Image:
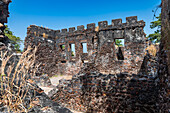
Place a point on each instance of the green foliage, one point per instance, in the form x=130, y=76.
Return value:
x=72, y=53
x=118, y=42
x=156, y=36
x=15, y=41
x=63, y=47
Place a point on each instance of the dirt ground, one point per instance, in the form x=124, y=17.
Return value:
x=55, y=82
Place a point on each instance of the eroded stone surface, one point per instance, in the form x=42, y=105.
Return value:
x=35, y=100
x=164, y=58
x=93, y=92
x=3, y=19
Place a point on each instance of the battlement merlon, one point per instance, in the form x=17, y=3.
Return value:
x=132, y=19
x=80, y=28
x=64, y=30
x=116, y=24
x=72, y=29
x=103, y=24
x=91, y=26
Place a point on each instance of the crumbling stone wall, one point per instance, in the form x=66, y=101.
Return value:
x=165, y=40
x=101, y=47
x=164, y=58
x=46, y=52
x=4, y=13
x=5, y=44
x=93, y=92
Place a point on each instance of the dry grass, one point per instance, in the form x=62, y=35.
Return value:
x=152, y=50
x=14, y=82
x=97, y=28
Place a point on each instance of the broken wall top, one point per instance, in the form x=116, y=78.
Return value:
x=4, y=10
x=5, y=1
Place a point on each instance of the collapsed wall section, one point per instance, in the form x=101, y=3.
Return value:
x=98, y=93
x=93, y=92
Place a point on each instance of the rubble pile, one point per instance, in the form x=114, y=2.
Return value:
x=42, y=80
x=150, y=65
x=36, y=101
x=93, y=92
x=96, y=92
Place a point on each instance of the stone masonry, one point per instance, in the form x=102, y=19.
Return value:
x=164, y=59
x=92, y=92
x=55, y=47
x=3, y=19
x=107, y=78
x=35, y=100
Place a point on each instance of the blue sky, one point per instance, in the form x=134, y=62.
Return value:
x=58, y=14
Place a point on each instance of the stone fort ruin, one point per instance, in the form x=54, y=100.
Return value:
x=118, y=91
x=55, y=47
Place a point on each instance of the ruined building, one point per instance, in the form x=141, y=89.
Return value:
x=56, y=48
x=110, y=78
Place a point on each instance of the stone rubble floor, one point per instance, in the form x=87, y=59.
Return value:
x=55, y=82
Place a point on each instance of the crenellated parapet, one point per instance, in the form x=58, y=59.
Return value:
x=116, y=24
x=131, y=22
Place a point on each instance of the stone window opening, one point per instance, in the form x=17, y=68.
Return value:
x=73, y=51
x=85, y=61
x=63, y=62
x=84, y=46
x=120, y=55
x=50, y=37
x=119, y=48
x=93, y=40
x=40, y=35
x=62, y=47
